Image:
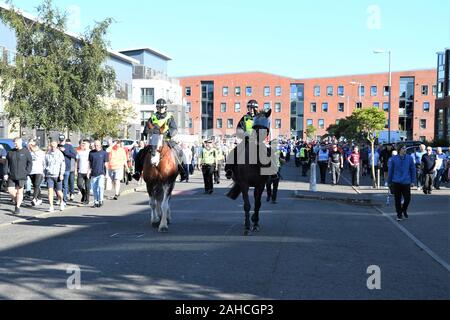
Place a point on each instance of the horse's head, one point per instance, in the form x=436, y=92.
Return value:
x=262, y=124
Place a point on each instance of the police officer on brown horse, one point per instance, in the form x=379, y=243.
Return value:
x=160, y=122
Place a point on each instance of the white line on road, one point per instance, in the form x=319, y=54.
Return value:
x=417, y=242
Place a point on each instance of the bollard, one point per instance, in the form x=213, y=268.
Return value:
x=313, y=178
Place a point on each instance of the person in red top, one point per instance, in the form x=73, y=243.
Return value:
x=354, y=160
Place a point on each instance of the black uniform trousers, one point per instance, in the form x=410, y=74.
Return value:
x=208, y=172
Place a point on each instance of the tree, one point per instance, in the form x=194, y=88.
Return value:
x=107, y=122
x=369, y=122
x=311, y=132
x=57, y=80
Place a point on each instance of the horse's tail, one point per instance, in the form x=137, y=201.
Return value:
x=235, y=191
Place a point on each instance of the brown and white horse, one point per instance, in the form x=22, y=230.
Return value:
x=160, y=173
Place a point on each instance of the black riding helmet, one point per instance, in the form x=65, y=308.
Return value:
x=160, y=104
x=253, y=104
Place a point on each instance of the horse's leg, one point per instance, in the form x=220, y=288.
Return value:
x=163, y=227
x=255, y=218
x=154, y=211
x=247, y=208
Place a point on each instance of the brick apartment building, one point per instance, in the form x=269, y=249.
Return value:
x=443, y=96
x=215, y=103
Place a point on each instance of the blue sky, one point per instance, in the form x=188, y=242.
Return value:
x=295, y=38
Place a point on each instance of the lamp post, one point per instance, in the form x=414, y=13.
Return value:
x=390, y=89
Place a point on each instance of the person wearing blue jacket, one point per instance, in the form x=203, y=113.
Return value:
x=69, y=155
x=401, y=178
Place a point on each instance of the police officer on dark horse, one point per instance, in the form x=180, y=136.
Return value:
x=160, y=119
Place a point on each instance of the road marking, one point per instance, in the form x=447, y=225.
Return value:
x=416, y=241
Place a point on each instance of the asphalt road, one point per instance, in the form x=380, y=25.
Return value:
x=305, y=250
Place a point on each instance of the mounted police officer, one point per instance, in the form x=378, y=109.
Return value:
x=245, y=126
x=160, y=119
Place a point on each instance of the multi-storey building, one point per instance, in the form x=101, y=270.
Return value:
x=443, y=96
x=215, y=103
x=141, y=79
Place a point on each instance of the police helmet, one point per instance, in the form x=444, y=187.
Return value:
x=161, y=103
x=253, y=104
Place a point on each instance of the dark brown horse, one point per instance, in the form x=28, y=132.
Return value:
x=249, y=165
x=160, y=173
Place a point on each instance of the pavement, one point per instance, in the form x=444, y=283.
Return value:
x=307, y=249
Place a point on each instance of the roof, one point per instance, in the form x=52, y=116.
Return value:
x=74, y=36
x=231, y=73
x=148, y=49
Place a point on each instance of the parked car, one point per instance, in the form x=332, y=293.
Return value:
x=8, y=144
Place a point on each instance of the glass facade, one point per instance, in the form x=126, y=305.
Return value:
x=297, y=110
x=207, y=108
x=147, y=96
x=406, y=106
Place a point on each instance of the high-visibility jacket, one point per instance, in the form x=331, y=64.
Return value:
x=162, y=122
x=248, y=123
x=208, y=157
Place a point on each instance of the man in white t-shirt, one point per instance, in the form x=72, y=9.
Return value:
x=81, y=170
x=187, y=159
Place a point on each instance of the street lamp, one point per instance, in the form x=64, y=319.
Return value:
x=390, y=88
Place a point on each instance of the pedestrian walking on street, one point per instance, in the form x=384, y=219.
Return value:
x=82, y=171
x=17, y=169
x=98, y=161
x=355, y=165
x=117, y=164
x=69, y=154
x=187, y=160
x=208, y=162
x=417, y=157
x=3, y=155
x=55, y=168
x=274, y=181
x=336, y=164
x=440, y=168
x=401, y=178
x=428, y=168
x=37, y=171
x=322, y=160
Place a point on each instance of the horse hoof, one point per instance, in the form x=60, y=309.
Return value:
x=155, y=225
x=256, y=229
x=163, y=230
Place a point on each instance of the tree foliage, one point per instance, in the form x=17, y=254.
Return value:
x=311, y=132
x=57, y=80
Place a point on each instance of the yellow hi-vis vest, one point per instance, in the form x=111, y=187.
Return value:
x=209, y=156
x=248, y=124
x=161, y=122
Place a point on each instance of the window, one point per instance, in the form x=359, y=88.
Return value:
x=324, y=107
x=278, y=124
x=219, y=123
x=188, y=91
x=277, y=107
x=321, y=124
x=309, y=123
x=190, y=126
x=223, y=107
x=376, y=105
x=237, y=91
x=147, y=96
x=278, y=91
x=434, y=90
x=386, y=91
x=237, y=107
x=341, y=91
x=425, y=90
x=145, y=115
x=426, y=107
x=373, y=91
x=386, y=106
x=225, y=91
x=362, y=91
x=330, y=91
x=249, y=91
x=313, y=107
x=423, y=138
x=230, y=124
x=359, y=105
x=267, y=106
x=188, y=107
x=423, y=124
x=341, y=107
x=266, y=91
x=317, y=91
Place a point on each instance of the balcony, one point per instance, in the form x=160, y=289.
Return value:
x=7, y=56
x=146, y=73
x=123, y=91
